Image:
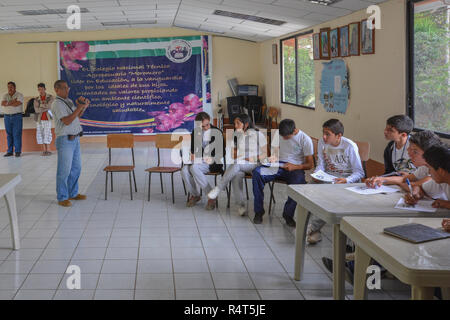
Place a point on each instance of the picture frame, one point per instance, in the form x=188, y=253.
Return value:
x=325, y=44
x=367, y=38
x=274, y=53
x=316, y=46
x=335, y=50
x=343, y=41
x=354, y=38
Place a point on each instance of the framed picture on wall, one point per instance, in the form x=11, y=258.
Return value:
x=316, y=46
x=343, y=41
x=367, y=37
x=334, y=43
x=353, y=33
x=325, y=43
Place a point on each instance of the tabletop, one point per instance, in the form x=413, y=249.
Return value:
x=332, y=202
x=412, y=261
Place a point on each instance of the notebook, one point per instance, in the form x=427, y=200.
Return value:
x=416, y=233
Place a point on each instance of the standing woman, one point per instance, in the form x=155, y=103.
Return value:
x=246, y=154
x=43, y=117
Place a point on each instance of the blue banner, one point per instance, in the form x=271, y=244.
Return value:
x=140, y=86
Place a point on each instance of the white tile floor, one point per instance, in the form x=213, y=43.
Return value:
x=150, y=250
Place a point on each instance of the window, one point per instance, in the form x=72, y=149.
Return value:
x=428, y=65
x=297, y=70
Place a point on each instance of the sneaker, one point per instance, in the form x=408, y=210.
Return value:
x=313, y=236
x=192, y=201
x=79, y=197
x=242, y=210
x=9, y=154
x=65, y=203
x=258, y=219
x=214, y=193
x=211, y=205
x=18, y=154
x=289, y=221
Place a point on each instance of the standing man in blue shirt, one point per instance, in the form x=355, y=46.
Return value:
x=68, y=132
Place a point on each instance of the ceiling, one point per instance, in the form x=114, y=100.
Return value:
x=190, y=14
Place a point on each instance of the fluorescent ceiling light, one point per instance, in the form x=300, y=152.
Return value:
x=48, y=11
x=241, y=16
x=323, y=2
x=128, y=23
x=6, y=28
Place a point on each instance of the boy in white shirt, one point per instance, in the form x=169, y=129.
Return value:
x=339, y=157
x=296, y=155
x=438, y=161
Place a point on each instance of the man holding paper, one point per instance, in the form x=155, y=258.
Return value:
x=338, y=157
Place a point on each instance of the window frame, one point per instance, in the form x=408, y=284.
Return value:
x=295, y=36
x=410, y=87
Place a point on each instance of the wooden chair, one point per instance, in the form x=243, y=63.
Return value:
x=364, y=150
x=272, y=115
x=120, y=141
x=164, y=141
x=315, y=142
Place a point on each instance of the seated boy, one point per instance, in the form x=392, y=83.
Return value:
x=438, y=161
x=396, y=159
x=194, y=175
x=296, y=154
x=338, y=156
x=418, y=144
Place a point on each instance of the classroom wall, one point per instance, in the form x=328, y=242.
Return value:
x=377, y=82
x=29, y=64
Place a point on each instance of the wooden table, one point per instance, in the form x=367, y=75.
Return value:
x=424, y=266
x=331, y=202
x=7, y=184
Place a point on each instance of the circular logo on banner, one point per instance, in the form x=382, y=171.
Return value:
x=179, y=51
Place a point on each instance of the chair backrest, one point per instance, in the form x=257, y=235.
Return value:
x=120, y=141
x=272, y=114
x=116, y=141
x=168, y=141
x=315, y=142
x=364, y=151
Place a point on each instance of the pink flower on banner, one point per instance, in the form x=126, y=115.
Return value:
x=167, y=122
x=178, y=110
x=76, y=50
x=208, y=96
x=192, y=100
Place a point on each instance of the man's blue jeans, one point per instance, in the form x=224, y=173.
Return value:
x=259, y=180
x=13, y=127
x=69, y=167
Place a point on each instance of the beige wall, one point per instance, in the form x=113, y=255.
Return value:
x=377, y=82
x=29, y=64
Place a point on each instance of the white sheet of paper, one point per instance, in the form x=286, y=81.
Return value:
x=323, y=176
x=367, y=190
x=422, y=205
x=268, y=171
